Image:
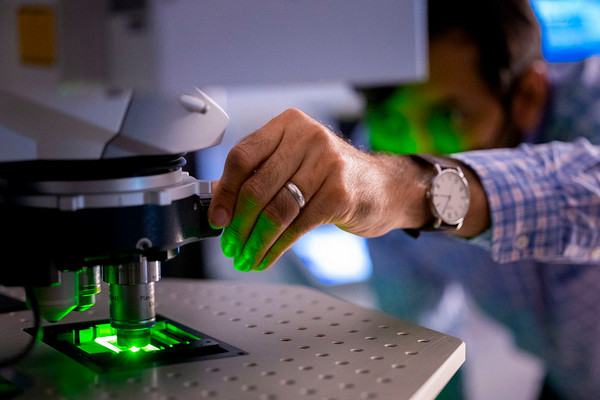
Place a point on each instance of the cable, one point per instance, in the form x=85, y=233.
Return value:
x=35, y=308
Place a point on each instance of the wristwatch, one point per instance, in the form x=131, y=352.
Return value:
x=448, y=195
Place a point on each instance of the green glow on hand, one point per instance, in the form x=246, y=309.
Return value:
x=248, y=259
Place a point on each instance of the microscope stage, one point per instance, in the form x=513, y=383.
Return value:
x=94, y=344
x=271, y=342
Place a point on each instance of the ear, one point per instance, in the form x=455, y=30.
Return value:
x=529, y=99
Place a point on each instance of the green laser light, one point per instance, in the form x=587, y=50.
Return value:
x=95, y=344
x=106, y=342
x=110, y=342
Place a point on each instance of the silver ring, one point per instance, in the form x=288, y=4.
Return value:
x=296, y=193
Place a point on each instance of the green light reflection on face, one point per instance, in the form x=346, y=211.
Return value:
x=391, y=131
x=446, y=139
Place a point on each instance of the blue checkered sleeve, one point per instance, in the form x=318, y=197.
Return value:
x=544, y=200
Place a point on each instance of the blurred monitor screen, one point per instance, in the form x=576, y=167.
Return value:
x=570, y=28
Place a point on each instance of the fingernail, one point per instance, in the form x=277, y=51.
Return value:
x=229, y=251
x=241, y=264
x=219, y=218
x=263, y=265
x=228, y=245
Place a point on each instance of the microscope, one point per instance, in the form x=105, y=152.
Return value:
x=92, y=186
x=71, y=221
x=99, y=104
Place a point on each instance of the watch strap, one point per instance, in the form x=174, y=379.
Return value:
x=428, y=159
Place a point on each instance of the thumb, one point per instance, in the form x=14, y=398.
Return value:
x=218, y=216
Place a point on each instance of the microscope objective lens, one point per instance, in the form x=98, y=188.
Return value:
x=132, y=313
x=131, y=300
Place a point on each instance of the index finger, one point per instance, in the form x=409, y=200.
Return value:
x=243, y=159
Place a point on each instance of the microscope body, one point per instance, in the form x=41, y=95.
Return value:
x=98, y=105
x=91, y=179
x=69, y=221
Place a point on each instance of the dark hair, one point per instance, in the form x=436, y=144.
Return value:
x=505, y=32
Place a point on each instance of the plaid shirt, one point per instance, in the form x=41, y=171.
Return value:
x=538, y=275
x=544, y=201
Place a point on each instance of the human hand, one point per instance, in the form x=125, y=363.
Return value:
x=361, y=193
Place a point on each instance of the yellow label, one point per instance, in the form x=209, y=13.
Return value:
x=37, y=40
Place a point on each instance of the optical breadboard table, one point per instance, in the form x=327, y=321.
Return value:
x=278, y=342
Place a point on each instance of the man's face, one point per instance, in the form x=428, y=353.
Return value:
x=454, y=111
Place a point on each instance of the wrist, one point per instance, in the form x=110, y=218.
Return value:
x=405, y=188
x=477, y=218
x=409, y=186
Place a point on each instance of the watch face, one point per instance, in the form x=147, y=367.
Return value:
x=450, y=196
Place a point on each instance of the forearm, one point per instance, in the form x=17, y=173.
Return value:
x=544, y=201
